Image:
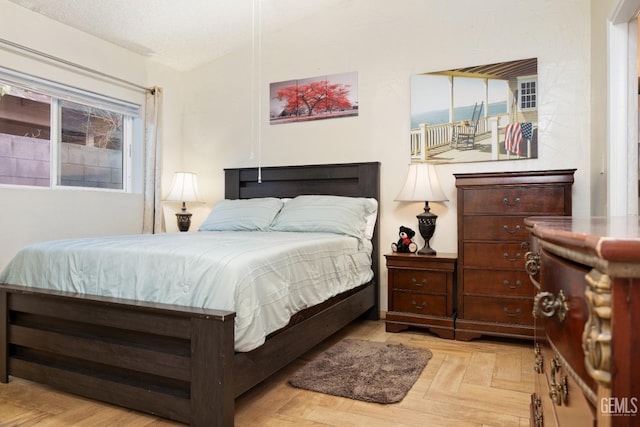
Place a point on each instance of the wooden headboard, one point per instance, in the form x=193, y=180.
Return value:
x=344, y=179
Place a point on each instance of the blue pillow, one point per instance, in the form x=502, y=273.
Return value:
x=242, y=214
x=326, y=214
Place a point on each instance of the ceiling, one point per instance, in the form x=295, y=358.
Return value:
x=181, y=34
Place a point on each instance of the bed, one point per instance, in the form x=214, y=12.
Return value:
x=174, y=361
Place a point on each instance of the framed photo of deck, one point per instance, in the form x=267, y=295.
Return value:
x=476, y=113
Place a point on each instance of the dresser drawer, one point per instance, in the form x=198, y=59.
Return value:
x=572, y=409
x=514, y=200
x=558, y=275
x=495, y=255
x=576, y=409
x=510, y=283
x=498, y=309
x=419, y=280
x=408, y=302
x=492, y=227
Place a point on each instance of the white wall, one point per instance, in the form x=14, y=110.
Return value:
x=29, y=215
x=386, y=45
x=207, y=112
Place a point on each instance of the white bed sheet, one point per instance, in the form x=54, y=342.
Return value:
x=265, y=277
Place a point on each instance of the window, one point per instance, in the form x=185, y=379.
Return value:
x=56, y=136
x=527, y=94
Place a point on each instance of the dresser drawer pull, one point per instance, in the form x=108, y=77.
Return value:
x=537, y=412
x=513, y=231
x=532, y=263
x=416, y=283
x=512, y=314
x=506, y=201
x=516, y=285
x=516, y=258
x=419, y=306
x=546, y=304
x=558, y=391
x=538, y=365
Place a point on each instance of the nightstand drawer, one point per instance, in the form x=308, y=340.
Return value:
x=496, y=309
x=408, y=302
x=420, y=280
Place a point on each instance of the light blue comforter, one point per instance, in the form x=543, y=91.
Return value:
x=264, y=277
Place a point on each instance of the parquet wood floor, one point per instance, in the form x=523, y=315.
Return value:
x=484, y=382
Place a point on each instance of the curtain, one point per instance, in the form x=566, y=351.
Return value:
x=152, y=220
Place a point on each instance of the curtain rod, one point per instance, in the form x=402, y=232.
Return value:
x=74, y=65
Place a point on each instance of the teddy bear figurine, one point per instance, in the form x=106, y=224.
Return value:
x=405, y=244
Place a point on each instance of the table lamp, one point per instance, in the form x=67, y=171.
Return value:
x=184, y=188
x=422, y=185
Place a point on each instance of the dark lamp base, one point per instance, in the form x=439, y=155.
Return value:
x=427, y=251
x=184, y=218
x=426, y=226
x=184, y=221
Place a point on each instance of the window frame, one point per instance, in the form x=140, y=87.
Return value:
x=521, y=97
x=58, y=92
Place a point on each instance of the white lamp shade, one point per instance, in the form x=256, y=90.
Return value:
x=421, y=185
x=184, y=188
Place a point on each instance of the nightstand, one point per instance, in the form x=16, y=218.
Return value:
x=420, y=292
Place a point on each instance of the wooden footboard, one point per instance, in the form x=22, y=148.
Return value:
x=292, y=342
x=170, y=361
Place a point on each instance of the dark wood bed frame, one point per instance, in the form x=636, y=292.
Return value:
x=172, y=361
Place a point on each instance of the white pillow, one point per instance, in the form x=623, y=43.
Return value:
x=242, y=214
x=328, y=214
x=370, y=222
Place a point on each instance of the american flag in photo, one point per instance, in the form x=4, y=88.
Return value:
x=527, y=130
x=513, y=138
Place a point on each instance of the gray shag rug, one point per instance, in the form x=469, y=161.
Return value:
x=364, y=370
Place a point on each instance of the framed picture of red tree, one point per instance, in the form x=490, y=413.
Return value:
x=323, y=97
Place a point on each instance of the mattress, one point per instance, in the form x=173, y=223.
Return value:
x=264, y=277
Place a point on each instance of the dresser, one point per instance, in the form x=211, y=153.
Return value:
x=494, y=293
x=586, y=274
x=421, y=292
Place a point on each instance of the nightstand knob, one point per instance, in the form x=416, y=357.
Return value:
x=419, y=306
x=421, y=283
x=514, y=313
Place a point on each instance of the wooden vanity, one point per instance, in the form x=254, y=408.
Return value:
x=586, y=272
